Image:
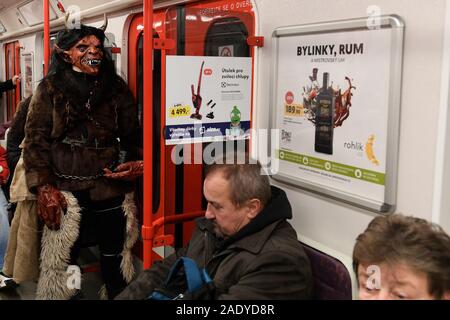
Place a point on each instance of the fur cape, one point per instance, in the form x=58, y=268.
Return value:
x=56, y=279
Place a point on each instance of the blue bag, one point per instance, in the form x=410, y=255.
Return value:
x=197, y=281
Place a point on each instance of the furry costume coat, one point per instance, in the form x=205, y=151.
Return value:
x=76, y=126
x=73, y=129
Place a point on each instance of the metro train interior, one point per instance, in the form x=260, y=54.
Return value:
x=257, y=65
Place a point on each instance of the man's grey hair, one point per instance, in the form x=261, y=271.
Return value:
x=245, y=177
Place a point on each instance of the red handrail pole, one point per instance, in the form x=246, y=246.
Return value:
x=177, y=218
x=46, y=36
x=148, y=127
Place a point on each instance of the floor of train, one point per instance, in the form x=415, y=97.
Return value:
x=90, y=285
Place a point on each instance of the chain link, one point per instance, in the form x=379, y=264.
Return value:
x=81, y=178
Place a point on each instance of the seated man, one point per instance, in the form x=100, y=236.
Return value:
x=400, y=257
x=244, y=241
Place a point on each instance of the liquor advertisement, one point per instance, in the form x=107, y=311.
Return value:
x=332, y=102
x=207, y=99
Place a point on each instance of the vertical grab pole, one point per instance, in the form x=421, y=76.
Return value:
x=147, y=230
x=46, y=36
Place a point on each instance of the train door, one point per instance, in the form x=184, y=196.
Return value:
x=163, y=169
x=12, y=67
x=208, y=28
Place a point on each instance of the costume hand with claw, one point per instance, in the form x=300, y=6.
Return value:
x=129, y=171
x=51, y=203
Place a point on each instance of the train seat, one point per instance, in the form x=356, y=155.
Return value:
x=332, y=272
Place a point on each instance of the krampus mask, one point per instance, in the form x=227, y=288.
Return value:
x=82, y=48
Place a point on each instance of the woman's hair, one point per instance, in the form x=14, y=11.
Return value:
x=417, y=243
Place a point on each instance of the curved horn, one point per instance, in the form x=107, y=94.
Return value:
x=105, y=23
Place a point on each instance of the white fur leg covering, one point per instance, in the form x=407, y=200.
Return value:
x=54, y=282
x=131, y=236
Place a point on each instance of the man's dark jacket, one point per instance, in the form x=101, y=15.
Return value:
x=7, y=85
x=264, y=260
x=16, y=134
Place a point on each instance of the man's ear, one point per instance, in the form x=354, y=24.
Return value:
x=254, y=207
x=65, y=55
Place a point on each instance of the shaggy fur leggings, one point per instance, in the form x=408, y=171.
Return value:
x=103, y=223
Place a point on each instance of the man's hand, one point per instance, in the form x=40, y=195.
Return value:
x=128, y=171
x=51, y=203
x=15, y=78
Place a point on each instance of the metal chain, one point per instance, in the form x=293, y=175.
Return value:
x=91, y=93
x=81, y=178
x=98, y=125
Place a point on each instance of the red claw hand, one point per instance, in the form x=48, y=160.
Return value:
x=128, y=171
x=51, y=203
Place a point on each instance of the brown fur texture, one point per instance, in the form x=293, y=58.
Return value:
x=58, y=114
x=56, y=247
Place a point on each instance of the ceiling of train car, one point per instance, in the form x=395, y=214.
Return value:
x=4, y=4
x=83, y=4
x=7, y=3
x=12, y=21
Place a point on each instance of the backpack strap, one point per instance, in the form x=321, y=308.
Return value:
x=195, y=277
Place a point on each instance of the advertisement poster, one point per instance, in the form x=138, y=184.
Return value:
x=332, y=107
x=207, y=99
x=27, y=75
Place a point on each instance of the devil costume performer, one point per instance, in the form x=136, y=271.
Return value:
x=82, y=120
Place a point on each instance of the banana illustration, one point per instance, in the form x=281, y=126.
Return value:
x=369, y=150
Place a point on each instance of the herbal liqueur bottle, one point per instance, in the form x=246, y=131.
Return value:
x=324, y=118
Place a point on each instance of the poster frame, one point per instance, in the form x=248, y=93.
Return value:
x=396, y=24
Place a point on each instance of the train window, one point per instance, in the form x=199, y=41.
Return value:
x=12, y=60
x=197, y=29
x=204, y=29
x=227, y=38
x=156, y=110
